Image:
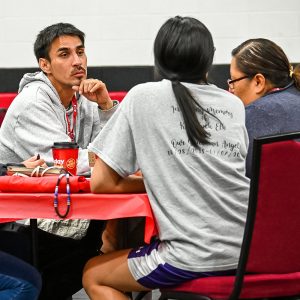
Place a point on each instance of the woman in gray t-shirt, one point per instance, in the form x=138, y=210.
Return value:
x=189, y=140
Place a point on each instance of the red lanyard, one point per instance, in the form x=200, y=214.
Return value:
x=275, y=90
x=71, y=133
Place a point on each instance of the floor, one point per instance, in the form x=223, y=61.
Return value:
x=81, y=295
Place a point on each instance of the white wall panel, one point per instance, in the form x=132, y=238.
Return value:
x=120, y=32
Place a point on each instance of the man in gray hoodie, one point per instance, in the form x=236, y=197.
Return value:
x=58, y=104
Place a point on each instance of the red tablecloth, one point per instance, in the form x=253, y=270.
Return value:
x=15, y=206
x=18, y=184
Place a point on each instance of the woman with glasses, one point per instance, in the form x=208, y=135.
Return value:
x=269, y=86
x=189, y=140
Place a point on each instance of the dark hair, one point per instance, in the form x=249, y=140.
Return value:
x=264, y=56
x=184, y=51
x=46, y=36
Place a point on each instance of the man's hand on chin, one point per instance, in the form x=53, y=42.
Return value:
x=95, y=90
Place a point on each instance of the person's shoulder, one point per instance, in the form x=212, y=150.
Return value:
x=225, y=96
x=33, y=81
x=149, y=86
x=268, y=105
x=36, y=89
x=289, y=91
x=146, y=91
x=33, y=95
x=257, y=107
x=224, y=93
x=269, y=100
x=216, y=91
x=32, y=84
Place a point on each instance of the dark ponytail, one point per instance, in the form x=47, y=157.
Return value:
x=187, y=104
x=184, y=51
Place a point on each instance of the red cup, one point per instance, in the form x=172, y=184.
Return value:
x=65, y=155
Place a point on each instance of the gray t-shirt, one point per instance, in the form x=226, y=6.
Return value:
x=198, y=196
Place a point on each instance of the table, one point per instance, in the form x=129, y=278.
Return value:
x=16, y=206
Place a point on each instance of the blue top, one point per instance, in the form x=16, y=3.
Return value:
x=276, y=112
x=19, y=269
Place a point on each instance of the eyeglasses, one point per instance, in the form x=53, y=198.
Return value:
x=231, y=81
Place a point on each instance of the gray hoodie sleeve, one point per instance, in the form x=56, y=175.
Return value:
x=36, y=128
x=105, y=115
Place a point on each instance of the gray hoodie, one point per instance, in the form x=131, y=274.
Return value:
x=35, y=120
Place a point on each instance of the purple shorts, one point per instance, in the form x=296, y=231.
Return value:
x=148, y=269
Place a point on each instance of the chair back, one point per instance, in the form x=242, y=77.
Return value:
x=276, y=235
x=2, y=115
x=7, y=98
x=269, y=263
x=272, y=233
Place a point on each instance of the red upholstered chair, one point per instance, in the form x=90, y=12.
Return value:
x=2, y=115
x=269, y=264
x=5, y=101
x=117, y=95
x=7, y=98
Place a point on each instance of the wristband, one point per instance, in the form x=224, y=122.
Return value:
x=115, y=102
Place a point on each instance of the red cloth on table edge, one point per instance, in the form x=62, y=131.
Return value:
x=18, y=184
x=79, y=185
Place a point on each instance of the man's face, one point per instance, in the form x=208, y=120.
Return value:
x=68, y=62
